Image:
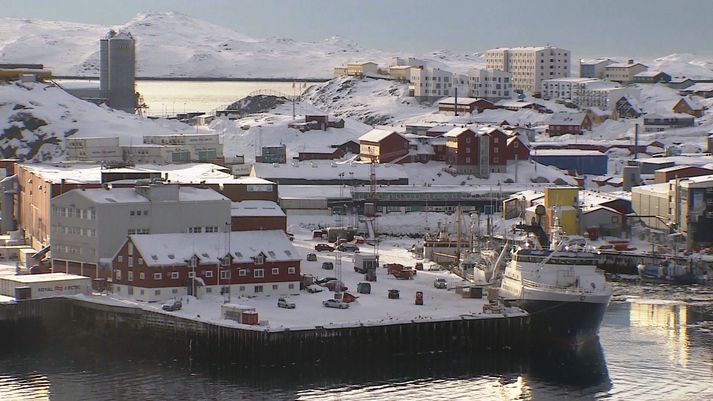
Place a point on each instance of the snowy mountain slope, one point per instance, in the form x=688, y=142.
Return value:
x=35, y=118
x=371, y=101
x=175, y=45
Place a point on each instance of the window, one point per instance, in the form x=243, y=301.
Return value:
x=130, y=261
x=274, y=287
x=208, y=273
x=291, y=286
x=157, y=276
x=260, y=259
x=243, y=272
x=291, y=270
x=225, y=274
x=118, y=274
x=141, y=260
x=196, y=230
x=191, y=274
x=131, y=249
x=130, y=276
x=120, y=259
x=242, y=288
x=275, y=271
x=258, y=288
x=131, y=213
x=174, y=291
x=142, y=276
x=174, y=275
x=259, y=273
x=146, y=212
x=157, y=292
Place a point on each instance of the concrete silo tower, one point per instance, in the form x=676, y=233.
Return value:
x=118, y=70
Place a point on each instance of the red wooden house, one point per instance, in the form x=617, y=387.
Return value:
x=467, y=152
x=157, y=267
x=498, y=149
x=568, y=123
x=384, y=145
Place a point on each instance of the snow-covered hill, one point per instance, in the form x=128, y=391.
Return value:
x=35, y=118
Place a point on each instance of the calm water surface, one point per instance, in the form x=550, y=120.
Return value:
x=656, y=345
x=171, y=97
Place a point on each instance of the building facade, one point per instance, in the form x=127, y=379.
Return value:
x=93, y=149
x=595, y=68
x=468, y=152
x=89, y=225
x=384, y=145
x=489, y=84
x=623, y=72
x=430, y=83
x=529, y=66
x=157, y=267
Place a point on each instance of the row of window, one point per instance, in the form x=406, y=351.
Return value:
x=199, y=229
x=80, y=231
x=88, y=214
x=138, y=212
x=224, y=274
x=256, y=289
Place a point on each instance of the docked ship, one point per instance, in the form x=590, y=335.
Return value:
x=560, y=286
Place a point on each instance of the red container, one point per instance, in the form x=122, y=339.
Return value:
x=249, y=317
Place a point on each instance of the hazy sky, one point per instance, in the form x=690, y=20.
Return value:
x=587, y=27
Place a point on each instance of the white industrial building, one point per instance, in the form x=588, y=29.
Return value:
x=595, y=68
x=530, y=66
x=586, y=92
x=89, y=225
x=93, y=149
x=489, y=84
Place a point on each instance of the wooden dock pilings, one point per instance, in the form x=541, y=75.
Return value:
x=249, y=347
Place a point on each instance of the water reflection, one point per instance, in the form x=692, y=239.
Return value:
x=666, y=322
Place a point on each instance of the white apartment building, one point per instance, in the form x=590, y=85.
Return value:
x=624, y=72
x=586, y=92
x=89, y=225
x=594, y=68
x=529, y=66
x=431, y=83
x=489, y=84
x=93, y=149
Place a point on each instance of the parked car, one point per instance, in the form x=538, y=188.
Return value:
x=322, y=281
x=311, y=257
x=290, y=236
x=284, y=303
x=328, y=266
x=172, y=306
x=314, y=288
x=333, y=303
x=323, y=247
x=348, y=247
x=440, y=283
x=335, y=285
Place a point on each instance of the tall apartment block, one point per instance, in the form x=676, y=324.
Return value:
x=530, y=66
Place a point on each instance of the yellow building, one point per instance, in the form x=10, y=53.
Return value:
x=564, y=203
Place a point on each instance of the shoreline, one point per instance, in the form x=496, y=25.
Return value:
x=200, y=79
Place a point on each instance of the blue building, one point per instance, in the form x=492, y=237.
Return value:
x=584, y=162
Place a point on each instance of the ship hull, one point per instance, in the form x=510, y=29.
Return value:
x=564, y=319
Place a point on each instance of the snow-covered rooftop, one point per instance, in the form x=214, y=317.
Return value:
x=177, y=249
x=566, y=152
x=624, y=65
x=376, y=135
x=328, y=170
x=256, y=208
x=460, y=100
x=131, y=195
x=567, y=119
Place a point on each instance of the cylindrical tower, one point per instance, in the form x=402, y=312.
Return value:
x=122, y=72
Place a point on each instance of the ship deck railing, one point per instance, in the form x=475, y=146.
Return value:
x=566, y=290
